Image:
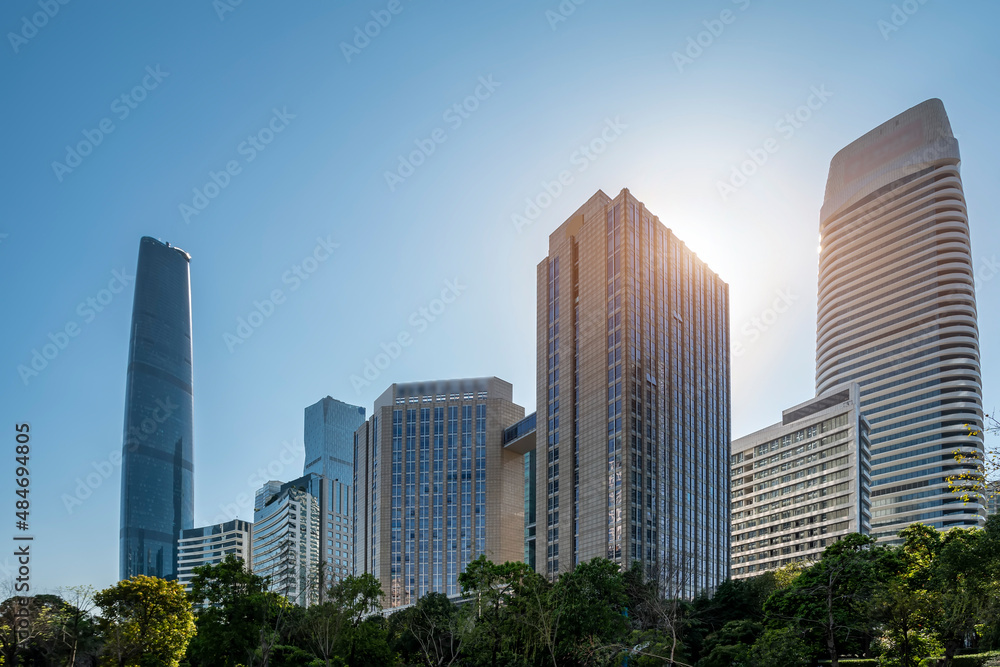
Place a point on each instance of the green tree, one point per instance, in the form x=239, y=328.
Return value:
x=359, y=601
x=238, y=619
x=492, y=588
x=832, y=600
x=592, y=603
x=145, y=622
x=439, y=627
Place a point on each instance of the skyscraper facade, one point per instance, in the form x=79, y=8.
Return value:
x=329, y=438
x=633, y=423
x=897, y=313
x=435, y=486
x=301, y=536
x=157, y=500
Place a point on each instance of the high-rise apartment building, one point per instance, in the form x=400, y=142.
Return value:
x=301, y=536
x=801, y=484
x=897, y=313
x=157, y=499
x=435, y=486
x=632, y=460
x=329, y=438
x=209, y=545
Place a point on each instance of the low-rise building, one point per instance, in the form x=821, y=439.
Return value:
x=801, y=484
x=209, y=545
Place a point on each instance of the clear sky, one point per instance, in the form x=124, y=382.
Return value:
x=252, y=134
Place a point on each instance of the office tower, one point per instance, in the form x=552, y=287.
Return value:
x=329, y=438
x=801, y=484
x=301, y=536
x=209, y=545
x=157, y=500
x=897, y=314
x=633, y=400
x=435, y=487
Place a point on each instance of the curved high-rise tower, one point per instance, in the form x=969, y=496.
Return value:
x=897, y=313
x=157, y=471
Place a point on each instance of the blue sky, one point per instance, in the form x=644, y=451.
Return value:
x=207, y=86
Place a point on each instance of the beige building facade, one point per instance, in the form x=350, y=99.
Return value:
x=435, y=487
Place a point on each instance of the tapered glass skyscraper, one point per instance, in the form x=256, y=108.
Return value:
x=897, y=313
x=157, y=500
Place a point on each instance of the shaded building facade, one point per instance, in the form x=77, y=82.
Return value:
x=435, y=486
x=633, y=398
x=897, y=314
x=157, y=499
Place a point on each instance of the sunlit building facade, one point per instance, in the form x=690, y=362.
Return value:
x=897, y=314
x=435, y=486
x=801, y=484
x=633, y=398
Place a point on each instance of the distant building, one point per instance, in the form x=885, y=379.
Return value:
x=301, y=537
x=633, y=400
x=157, y=498
x=993, y=497
x=801, y=484
x=329, y=438
x=897, y=314
x=209, y=545
x=435, y=486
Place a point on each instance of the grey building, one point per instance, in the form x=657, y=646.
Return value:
x=801, y=484
x=632, y=456
x=329, y=438
x=301, y=536
x=897, y=314
x=157, y=498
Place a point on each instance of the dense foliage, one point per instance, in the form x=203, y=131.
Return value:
x=931, y=601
